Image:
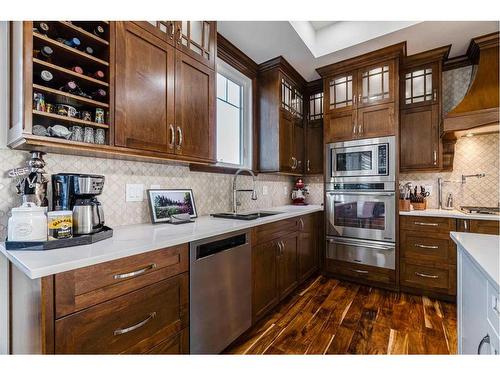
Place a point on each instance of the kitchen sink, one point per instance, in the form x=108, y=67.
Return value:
x=245, y=216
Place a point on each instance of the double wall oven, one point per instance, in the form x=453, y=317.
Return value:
x=361, y=201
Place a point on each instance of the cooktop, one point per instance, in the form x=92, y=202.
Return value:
x=480, y=210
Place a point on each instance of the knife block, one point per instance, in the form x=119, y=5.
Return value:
x=420, y=206
x=404, y=205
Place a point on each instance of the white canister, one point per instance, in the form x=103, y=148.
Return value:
x=28, y=223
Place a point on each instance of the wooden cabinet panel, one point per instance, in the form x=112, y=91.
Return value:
x=195, y=125
x=307, y=246
x=197, y=39
x=88, y=286
x=419, y=147
x=478, y=226
x=427, y=224
x=383, y=277
x=265, y=278
x=428, y=278
x=287, y=263
x=144, y=91
x=437, y=250
x=340, y=127
x=133, y=323
x=314, y=148
x=420, y=86
x=286, y=144
x=376, y=121
x=298, y=146
x=272, y=231
x=179, y=344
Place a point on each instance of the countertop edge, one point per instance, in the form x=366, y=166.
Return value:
x=460, y=247
x=452, y=214
x=72, y=265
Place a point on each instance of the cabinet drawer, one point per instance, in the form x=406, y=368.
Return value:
x=427, y=249
x=425, y=277
x=361, y=272
x=88, y=286
x=272, y=231
x=133, y=323
x=179, y=344
x=427, y=224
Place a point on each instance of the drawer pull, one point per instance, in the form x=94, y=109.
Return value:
x=426, y=246
x=426, y=224
x=135, y=326
x=427, y=276
x=359, y=271
x=134, y=273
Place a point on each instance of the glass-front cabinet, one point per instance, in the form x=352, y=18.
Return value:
x=376, y=84
x=292, y=99
x=342, y=92
x=197, y=38
x=419, y=85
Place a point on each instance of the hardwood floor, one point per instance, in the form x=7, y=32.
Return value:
x=328, y=316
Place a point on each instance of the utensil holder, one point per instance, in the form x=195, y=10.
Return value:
x=404, y=205
x=420, y=206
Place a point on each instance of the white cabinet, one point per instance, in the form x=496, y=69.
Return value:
x=478, y=305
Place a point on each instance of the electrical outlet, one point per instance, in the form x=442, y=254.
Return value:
x=265, y=190
x=154, y=186
x=285, y=190
x=428, y=188
x=134, y=192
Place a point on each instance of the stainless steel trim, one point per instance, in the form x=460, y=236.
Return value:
x=363, y=243
x=484, y=340
x=362, y=192
x=426, y=246
x=359, y=271
x=426, y=275
x=371, y=253
x=425, y=224
x=122, y=331
x=134, y=273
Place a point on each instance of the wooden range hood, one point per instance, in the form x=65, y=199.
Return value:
x=478, y=112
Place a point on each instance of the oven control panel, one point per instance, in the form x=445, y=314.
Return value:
x=383, y=166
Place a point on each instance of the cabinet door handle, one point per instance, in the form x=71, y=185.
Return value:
x=172, y=136
x=179, y=30
x=359, y=98
x=435, y=94
x=484, y=340
x=354, y=129
x=426, y=224
x=282, y=247
x=121, y=331
x=426, y=246
x=354, y=100
x=294, y=162
x=172, y=29
x=301, y=224
x=359, y=271
x=308, y=165
x=435, y=157
x=181, y=139
x=466, y=226
x=360, y=128
x=134, y=273
x=426, y=275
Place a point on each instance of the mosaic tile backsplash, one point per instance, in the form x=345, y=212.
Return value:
x=212, y=192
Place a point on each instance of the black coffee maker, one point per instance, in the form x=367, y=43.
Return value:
x=77, y=193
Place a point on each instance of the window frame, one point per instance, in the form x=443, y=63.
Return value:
x=246, y=120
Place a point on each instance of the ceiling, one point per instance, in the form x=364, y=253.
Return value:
x=308, y=45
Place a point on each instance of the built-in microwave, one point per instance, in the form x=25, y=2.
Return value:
x=361, y=160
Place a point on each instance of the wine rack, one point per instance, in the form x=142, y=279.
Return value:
x=71, y=81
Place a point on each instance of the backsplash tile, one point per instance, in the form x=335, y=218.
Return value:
x=478, y=154
x=212, y=192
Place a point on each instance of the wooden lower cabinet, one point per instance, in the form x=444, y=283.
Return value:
x=364, y=274
x=284, y=254
x=179, y=344
x=479, y=226
x=314, y=148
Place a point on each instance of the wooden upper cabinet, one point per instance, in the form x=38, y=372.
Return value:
x=198, y=40
x=341, y=92
x=144, y=91
x=375, y=121
x=286, y=142
x=420, y=85
x=195, y=127
x=314, y=128
x=340, y=126
x=376, y=84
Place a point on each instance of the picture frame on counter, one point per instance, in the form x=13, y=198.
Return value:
x=165, y=203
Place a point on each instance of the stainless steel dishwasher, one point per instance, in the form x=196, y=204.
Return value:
x=220, y=295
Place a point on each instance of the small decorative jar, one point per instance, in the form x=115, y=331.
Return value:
x=28, y=223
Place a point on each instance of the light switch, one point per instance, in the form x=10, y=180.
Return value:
x=265, y=190
x=285, y=190
x=134, y=192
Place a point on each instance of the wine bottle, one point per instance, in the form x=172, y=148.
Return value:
x=99, y=31
x=46, y=76
x=41, y=27
x=98, y=94
x=70, y=87
x=77, y=69
x=99, y=74
x=73, y=42
x=44, y=53
x=89, y=50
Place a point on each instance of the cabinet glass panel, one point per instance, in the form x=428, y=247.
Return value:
x=375, y=84
x=195, y=35
x=418, y=86
x=316, y=106
x=341, y=92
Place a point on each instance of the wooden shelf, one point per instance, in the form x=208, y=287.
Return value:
x=73, y=51
x=68, y=95
x=83, y=32
x=70, y=119
x=70, y=72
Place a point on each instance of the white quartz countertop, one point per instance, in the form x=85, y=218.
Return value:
x=130, y=240
x=483, y=249
x=449, y=213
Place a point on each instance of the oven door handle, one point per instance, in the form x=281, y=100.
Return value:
x=380, y=193
x=361, y=244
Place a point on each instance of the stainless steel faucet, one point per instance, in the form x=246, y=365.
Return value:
x=466, y=176
x=235, y=190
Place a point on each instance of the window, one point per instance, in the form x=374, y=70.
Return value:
x=234, y=120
